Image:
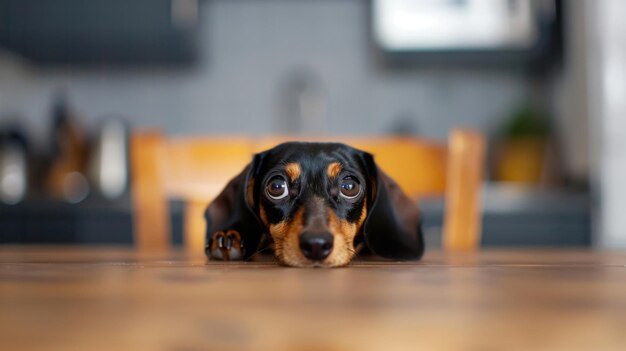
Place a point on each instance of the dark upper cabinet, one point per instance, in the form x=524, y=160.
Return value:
x=101, y=32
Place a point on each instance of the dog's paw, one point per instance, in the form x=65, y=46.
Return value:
x=226, y=246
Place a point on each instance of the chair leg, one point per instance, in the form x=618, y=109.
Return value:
x=194, y=227
x=151, y=219
x=463, y=208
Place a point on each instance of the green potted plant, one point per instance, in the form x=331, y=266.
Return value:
x=522, y=148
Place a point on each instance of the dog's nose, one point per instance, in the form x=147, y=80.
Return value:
x=316, y=246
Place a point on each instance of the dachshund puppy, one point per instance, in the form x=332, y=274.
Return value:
x=314, y=204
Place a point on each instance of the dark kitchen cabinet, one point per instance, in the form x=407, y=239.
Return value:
x=96, y=32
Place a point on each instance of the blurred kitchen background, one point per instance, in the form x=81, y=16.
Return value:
x=544, y=80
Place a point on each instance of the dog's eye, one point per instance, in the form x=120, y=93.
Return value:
x=350, y=188
x=277, y=188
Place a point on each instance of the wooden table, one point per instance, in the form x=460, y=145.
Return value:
x=114, y=299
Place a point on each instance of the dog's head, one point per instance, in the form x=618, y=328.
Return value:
x=315, y=200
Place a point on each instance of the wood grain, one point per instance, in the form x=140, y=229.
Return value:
x=103, y=299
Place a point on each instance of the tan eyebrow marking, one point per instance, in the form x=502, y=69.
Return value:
x=333, y=169
x=293, y=170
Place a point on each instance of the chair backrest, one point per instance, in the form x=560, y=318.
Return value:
x=196, y=169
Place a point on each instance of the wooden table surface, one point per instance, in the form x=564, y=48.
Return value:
x=115, y=299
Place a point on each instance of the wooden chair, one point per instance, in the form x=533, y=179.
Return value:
x=196, y=169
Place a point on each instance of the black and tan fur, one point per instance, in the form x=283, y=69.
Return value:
x=313, y=210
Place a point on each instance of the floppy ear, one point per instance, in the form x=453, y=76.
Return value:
x=392, y=228
x=233, y=209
